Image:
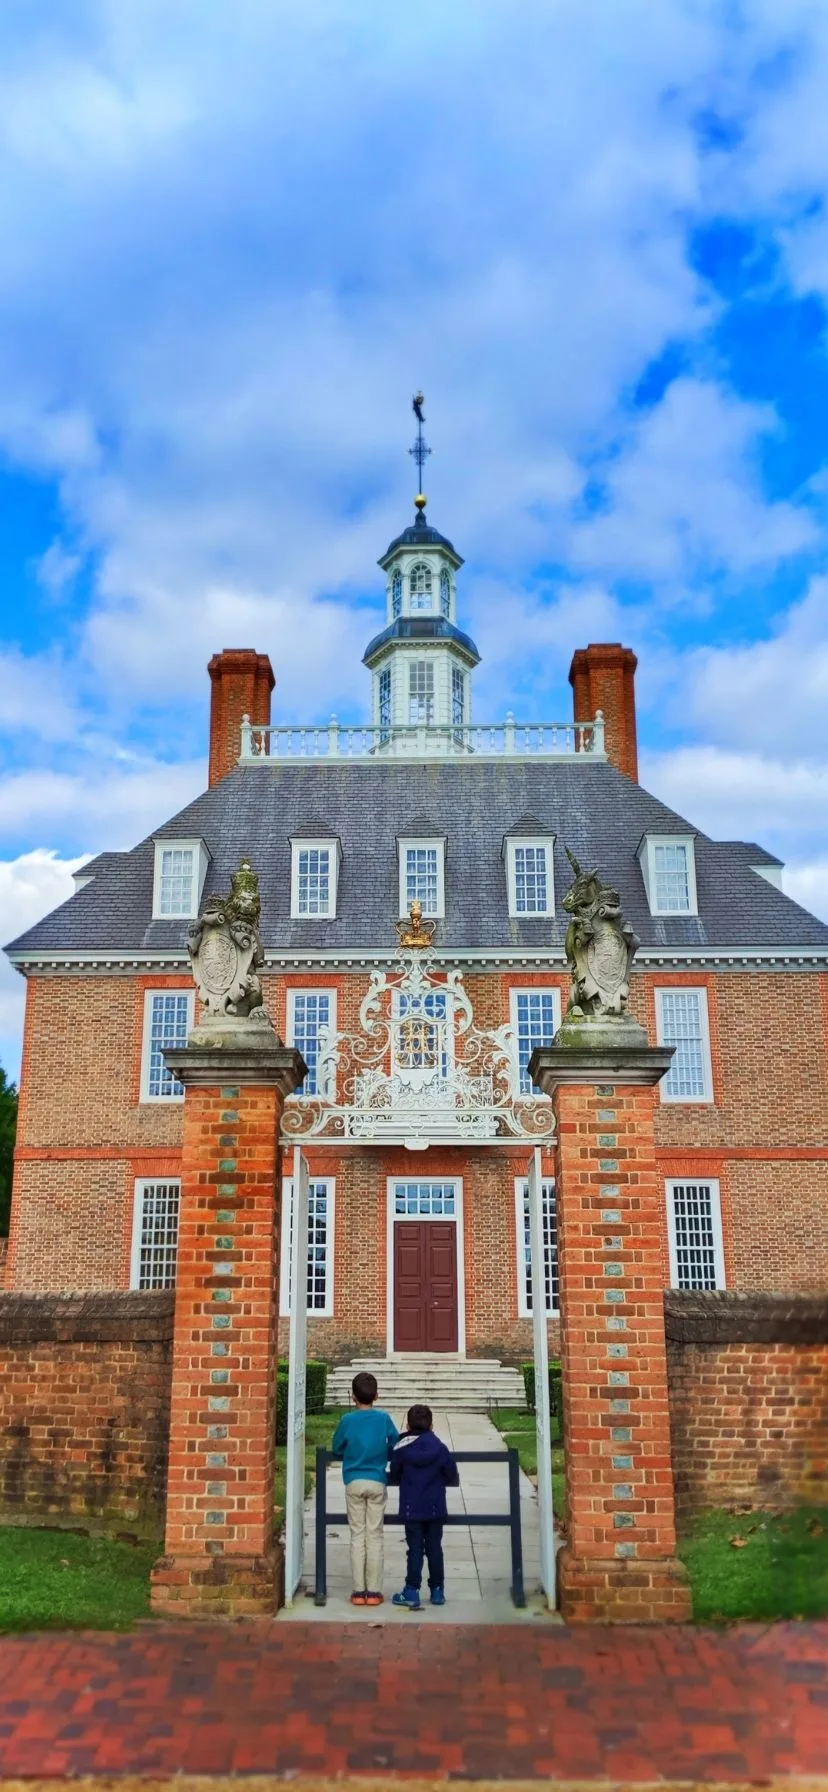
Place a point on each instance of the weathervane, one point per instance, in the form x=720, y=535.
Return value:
x=420, y=450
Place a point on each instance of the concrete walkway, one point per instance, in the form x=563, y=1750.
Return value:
x=478, y=1559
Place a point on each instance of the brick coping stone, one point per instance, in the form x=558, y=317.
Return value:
x=314, y=1705
x=267, y=1783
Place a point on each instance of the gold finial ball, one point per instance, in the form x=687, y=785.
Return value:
x=420, y=501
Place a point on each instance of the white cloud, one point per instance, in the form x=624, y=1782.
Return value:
x=30, y=886
x=807, y=883
x=742, y=796
x=771, y=694
x=108, y=807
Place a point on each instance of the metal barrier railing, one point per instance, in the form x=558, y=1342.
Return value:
x=510, y=1518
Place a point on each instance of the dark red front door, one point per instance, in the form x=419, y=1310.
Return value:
x=425, y=1285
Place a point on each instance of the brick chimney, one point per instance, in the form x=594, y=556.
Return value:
x=602, y=676
x=240, y=684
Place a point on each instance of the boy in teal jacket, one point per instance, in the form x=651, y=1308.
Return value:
x=363, y=1441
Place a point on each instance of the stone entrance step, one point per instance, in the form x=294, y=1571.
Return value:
x=448, y=1382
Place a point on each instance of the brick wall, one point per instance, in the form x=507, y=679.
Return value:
x=4, y=1251
x=84, y=1407
x=748, y=1378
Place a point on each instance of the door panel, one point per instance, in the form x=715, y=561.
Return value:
x=425, y=1285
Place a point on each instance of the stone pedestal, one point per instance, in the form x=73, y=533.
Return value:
x=619, y=1563
x=220, y=1556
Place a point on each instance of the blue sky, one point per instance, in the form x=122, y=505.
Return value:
x=234, y=241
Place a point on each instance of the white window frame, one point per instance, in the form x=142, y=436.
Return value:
x=201, y=859
x=544, y=845
x=438, y=844
x=415, y=608
x=686, y=989
x=141, y=1184
x=150, y=996
x=712, y=1183
x=521, y=1194
x=445, y=592
x=646, y=857
x=429, y=696
x=317, y=989
x=326, y=1312
x=455, y=1219
x=530, y=989
x=445, y=1057
x=331, y=847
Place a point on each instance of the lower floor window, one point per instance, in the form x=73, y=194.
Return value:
x=155, y=1234
x=320, y=1246
x=694, y=1230
x=551, y=1283
x=425, y=1200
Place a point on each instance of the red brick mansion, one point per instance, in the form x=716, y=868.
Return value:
x=417, y=1115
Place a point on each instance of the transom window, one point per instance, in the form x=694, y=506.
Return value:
x=445, y=593
x=458, y=697
x=155, y=1234
x=309, y=1012
x=314, y=873
x=420, y=693
x=681, y=1020
x=421, y=876
x=419, y=587
x=180, y=866
x=669, y=871
x=168, y=1017
x=396, y=594
x=321, y=1194
x=425, y=1200
x=536, y=1017
x=550, y=1248
x=529, y=872
x=694, y=1228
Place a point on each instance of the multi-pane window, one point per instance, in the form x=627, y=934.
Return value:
x=421, y=1039
x=176, y=881
x=155, y=1234
x=671, y=878
x=458, y=697
x=694, y=1228
x=384, y=693
x=419, y=587
x=309, y=1012
x=530, y=878
x=535, y=1017
x=320, y=1246
x=551, y=1281
x=420, y=693
x=167, y=1020
x=425, y=1200
x=314, y=879
x=445, y=593
x=681, y=1020
x=421, y=878
x=396, y=594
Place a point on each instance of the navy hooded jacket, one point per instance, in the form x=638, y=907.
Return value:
x=422, y=1468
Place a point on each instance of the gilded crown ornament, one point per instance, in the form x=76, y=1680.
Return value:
x=413, y=932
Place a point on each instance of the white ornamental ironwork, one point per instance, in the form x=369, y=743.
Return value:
x=417, y=1071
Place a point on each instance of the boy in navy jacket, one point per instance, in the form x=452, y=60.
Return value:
x=422, y=1468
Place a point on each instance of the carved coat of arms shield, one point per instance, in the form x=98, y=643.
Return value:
x=606, y=956
x=218, y=963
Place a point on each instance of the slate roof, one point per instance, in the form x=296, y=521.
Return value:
x=421, y=628
x=420, y=534
x=597, y=812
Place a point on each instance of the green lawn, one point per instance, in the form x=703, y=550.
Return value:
x=517, y=1428
x=55, y=1580
x=756, y=1566
x=319, y=1429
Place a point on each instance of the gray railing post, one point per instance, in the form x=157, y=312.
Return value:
x=515, y=1534
x=321, y=1587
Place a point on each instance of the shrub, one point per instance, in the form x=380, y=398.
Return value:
x=316, y=1387
x=555, y=1397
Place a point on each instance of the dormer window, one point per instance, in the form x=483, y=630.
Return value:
x=422, y=876
x=445, y=593
x=396, y=594
x=314, y=873
x=180, y=868
x=669, y=871
x=529, y=874
x=419, y=587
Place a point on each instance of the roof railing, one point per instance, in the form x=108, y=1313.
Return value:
x=481, y=740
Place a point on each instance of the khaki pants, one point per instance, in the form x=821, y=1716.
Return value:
x=365, y=1504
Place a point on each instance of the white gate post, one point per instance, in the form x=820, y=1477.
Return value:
x=297, y=1359
x=543, y=1426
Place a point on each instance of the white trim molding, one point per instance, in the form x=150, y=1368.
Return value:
x=695, y=1240
x=457, y=1219
x=432, y=910
x=656, y=874
x=186, y=908
x=178, y=1036
x=543, y=845
x=315, y=1183
x=332, y=849
x=670, y=1087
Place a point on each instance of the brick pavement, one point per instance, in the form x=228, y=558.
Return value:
x=631, y=1706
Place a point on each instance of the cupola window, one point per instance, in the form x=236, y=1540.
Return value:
x=419, y=586
x=420, y=693
x=396, y=594
x=458, y=697
x=384, y=717
x=445, y=593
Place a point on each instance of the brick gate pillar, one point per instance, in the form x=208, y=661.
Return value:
x=619, y=1563
x=221, y=1557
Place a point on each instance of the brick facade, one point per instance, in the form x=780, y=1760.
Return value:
x=748, y=1382
x=241, y=682
x=602, y=677
x=84, y=1408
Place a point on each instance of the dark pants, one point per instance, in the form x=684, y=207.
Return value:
x=424, y=1537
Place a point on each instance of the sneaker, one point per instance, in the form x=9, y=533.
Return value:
x=359, y=1599
x=438, y=1596
x=410, y=1597
x=374, y=1599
